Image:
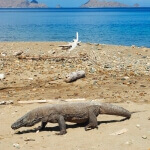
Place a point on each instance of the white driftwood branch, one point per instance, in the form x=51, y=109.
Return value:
x=75, y=42
x=72, y=45
x=74, y=76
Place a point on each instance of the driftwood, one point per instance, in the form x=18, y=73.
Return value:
x=71, y=45
x=45, y=57
x=74, y=76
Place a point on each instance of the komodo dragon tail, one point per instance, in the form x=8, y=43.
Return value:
x=114, y=110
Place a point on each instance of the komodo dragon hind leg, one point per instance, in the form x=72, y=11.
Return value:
x=43, y=124
x=62, y=125
x=92, y=120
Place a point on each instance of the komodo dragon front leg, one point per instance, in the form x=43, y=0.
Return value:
x=43, y=124
x=54, y=119
x=62, y=125
x=93, y=113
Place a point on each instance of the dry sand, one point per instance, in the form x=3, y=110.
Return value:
x=115, y=74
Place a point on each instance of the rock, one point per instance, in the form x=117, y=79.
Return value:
x=138, y=126
x=29, y=139
x=142, y=86
x=2, y=76
x=17, y=53
x=6, y=102
x=125, y=78
x=107, y=66
x=51, y=52
x=2, y=103
x=92, y=70
x=37, y=131
x=3, y=54
x=128, y=143
x=16, y=145
x=144, y=56
x=144, y=137
x=30, y=78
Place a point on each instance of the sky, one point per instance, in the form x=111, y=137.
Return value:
x=77, y=3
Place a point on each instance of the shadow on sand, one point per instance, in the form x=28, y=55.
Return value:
x=56, y=128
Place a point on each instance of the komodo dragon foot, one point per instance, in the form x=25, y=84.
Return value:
x=61, y=133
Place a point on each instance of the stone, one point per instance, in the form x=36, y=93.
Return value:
x=6, y=102
x=125, y=78
x=107, y=66
x=29, y=139
x=2, y=76
x=144, y=137
x=92, y=70
x=128, y=143
x=138, y=126
x=16, y=145
x=18, y=53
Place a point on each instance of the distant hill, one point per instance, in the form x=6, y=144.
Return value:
x=21, y=4
x=103, y=3
x=136, y=5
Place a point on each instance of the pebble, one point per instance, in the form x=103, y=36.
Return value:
x=125, y=78
x=142, y=86
x=128, y=143
x=30, y=78
x=3, y=54
x=16, y=145
x=18, y=53
x=29, y=139
x=138, y=126
x=2, y=76
x=107, y=66
x=6, y=102
x=92, y=70
x=144, y=137
x=37, y=131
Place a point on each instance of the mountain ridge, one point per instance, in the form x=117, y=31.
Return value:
x=21, y=4
x=103, y=3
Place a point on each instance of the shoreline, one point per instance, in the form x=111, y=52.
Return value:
x=66, y=42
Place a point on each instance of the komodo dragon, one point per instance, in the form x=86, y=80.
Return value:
x=72, y=112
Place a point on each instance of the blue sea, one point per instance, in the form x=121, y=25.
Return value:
x=118, y=26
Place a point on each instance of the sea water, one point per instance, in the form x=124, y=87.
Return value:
x=118, y=26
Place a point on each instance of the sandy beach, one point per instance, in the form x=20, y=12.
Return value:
x=114, y=74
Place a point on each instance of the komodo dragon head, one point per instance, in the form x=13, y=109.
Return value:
x=27, y=120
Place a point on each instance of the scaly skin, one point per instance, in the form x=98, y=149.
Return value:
x=71, y=112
